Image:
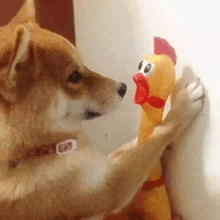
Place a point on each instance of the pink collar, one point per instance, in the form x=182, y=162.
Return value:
x=64, y=147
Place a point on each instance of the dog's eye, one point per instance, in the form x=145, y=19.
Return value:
x=75, y=77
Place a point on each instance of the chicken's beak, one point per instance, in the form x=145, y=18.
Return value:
x=142, y=89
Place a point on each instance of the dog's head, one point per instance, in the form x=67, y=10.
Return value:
x=45, y=90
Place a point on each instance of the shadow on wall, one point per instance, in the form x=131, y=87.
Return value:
x=184, y=162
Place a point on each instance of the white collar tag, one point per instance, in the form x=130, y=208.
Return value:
x=66, y=146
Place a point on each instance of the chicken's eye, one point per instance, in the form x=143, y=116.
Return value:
x=140, y=65
x=147, y=68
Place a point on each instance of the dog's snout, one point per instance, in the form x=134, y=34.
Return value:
x=122, y=90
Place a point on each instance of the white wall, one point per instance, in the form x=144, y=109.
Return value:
x=111, y=36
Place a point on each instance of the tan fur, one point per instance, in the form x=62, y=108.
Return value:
x=38, y=106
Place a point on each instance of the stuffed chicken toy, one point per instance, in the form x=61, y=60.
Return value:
x=154, y=83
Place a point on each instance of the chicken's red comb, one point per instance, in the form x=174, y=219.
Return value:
x=161, y=46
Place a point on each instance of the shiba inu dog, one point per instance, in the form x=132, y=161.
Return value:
x=46, y=169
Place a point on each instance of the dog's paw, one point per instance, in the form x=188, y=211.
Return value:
x=190, y=101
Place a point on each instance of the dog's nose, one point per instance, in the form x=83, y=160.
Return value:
x=122, y=90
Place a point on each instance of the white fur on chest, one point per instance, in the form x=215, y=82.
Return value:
x=94, y=170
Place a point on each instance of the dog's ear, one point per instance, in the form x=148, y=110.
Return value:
x=26, y=13
x=19, y=65
x=21, y=51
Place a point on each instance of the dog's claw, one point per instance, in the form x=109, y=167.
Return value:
x=193, y=85
x=190, y=100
